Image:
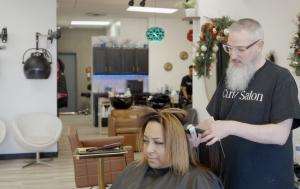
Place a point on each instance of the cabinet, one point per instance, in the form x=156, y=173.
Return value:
x=113, y=60
x=128, y=60
x=141, y=61
x=120, y=61
x=99, y=60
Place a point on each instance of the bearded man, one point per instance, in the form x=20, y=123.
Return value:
x=254, y=107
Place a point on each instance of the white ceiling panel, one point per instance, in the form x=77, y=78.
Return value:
x=111, y=10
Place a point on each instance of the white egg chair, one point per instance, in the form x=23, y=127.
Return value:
x=2, y=131
x=37, y=132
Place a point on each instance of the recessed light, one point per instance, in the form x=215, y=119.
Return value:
x=151, y=9
x=90, y=23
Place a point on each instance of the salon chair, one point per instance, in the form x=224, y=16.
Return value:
x=126, y=123
x=85, y=170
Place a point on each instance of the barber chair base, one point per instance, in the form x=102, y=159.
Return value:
x=38, y=161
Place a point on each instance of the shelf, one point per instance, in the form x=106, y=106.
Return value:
x=191, y=18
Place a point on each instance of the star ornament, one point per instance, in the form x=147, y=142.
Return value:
x=155, y=34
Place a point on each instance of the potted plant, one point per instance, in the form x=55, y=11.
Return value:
x=189, y=6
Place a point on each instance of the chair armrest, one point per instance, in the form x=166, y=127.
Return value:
x=98, y=142
x=129, y=157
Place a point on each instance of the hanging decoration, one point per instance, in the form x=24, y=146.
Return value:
x=212, y=33
x=189, y=35
x=295, y=45
x=183, y=55
x=168, y=66
x=155, y=34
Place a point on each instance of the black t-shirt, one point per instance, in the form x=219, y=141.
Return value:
x=188, y=83
x=271, y=97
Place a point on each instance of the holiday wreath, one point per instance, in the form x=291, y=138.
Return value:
x=212, y=33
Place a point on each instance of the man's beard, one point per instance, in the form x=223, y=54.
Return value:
x=238, y=77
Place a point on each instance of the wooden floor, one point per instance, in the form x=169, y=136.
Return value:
x=60, y=175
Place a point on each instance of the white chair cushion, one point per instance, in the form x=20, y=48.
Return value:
x=39, y=140
x=37, y=131
x=2, y=131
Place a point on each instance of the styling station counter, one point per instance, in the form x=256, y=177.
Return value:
x=102, y=106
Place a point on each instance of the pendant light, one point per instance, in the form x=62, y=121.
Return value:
x=155, y=33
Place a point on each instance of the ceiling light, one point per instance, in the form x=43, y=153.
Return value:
x=142, y=3
x=91, y=23
x=151, y=10
x=131, y=3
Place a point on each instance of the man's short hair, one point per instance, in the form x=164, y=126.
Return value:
x=191, y=66
x=249, y=25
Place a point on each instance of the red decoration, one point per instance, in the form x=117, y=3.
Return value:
x=298, y=52
x=214, y=35
x=202, y=38
x=190, y=35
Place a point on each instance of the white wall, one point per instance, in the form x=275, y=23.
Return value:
x=134, y=29
x=168, y=51
x=18, y=94
x=114, y=29
x=276, y=17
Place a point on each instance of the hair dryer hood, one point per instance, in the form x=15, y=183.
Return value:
x=37, y=66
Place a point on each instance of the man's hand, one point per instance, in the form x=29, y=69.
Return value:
x=265, y=134
x=204, y=126
x=216, y=131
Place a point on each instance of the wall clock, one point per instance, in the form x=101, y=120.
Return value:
x=155, y=34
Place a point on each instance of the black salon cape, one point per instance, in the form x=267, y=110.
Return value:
x=143, y=177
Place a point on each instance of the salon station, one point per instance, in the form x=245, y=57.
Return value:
x=79, y=76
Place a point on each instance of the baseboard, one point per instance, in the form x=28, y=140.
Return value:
x=28, y=155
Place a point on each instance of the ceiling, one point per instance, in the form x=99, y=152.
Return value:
x=107, y=10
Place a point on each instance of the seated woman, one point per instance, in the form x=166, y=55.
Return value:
x=168, y=161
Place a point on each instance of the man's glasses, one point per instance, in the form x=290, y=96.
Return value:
x=240, y=49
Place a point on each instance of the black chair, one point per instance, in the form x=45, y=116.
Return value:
x=160, y=101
